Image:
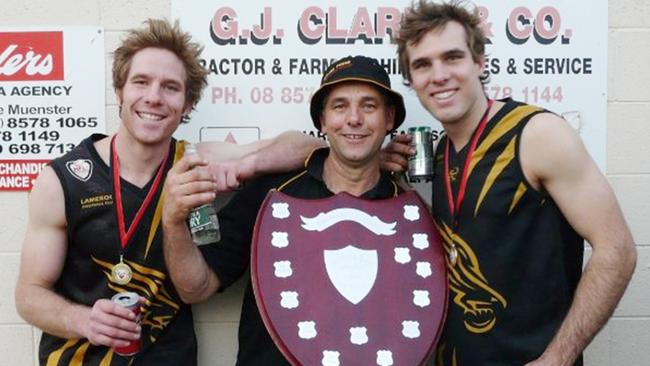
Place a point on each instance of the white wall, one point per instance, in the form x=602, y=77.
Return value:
x=624, y=340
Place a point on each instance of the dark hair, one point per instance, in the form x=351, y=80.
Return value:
x=159, y=33
x=424, y=16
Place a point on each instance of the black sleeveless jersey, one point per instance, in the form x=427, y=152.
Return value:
x=94, y=248
x=514, y=261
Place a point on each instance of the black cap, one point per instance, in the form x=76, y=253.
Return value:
x=357, y=68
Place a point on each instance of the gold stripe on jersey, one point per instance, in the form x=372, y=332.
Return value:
x=78, y=357
x=55, y=356
x=440, y=356
x=521, y=190
x=155, y=221
x=499, y=165
x=157, y=216
x=147, y=271
x=306, y=162
x=164, y=296
x=395, y=188
x=150, y=286
x=280, y=188
x=507, y=123
x=163, y=292
x=167, y=301
x=108, y=358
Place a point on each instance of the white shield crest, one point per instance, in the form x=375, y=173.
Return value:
x=81, y=169
x=352, y=271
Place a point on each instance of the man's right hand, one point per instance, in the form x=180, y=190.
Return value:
x=111, y=325
x=394, y=157
x=189, y=184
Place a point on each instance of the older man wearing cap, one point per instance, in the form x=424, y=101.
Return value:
x=356, y=108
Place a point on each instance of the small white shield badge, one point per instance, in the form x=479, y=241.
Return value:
x=352, y=271
x=81, y=169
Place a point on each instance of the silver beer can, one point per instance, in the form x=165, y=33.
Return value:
x=131, y=301
x=421, y=164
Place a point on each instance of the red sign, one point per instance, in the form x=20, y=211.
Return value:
x=30, y=56
x=19, y=175
x=347, y=281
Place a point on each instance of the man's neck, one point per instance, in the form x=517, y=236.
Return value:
x=460, y=132
x=138, y=162
x=354, y=180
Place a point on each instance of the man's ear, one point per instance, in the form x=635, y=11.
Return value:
x=481, y=63
x=321, y=119
x=118, y=94
x=187, y=109
x=390, y=119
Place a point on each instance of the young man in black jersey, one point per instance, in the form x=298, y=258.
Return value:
x=514, y=217
x=356, y=108
x=94, y=221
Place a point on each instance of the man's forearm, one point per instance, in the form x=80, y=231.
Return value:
x=602, y=285
x=285, y=152
x=232, y=164
x=193, y=279
x=50, y=312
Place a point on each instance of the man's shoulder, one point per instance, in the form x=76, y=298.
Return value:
x=548, y=142
x=273, y=181
x=81, y=149
x=79, y=165
x=313, y=167
x=535, y=120
x=521, y=110
x=546, y=124
x=253, y=192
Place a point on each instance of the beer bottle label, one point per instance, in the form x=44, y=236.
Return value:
x=199, y=218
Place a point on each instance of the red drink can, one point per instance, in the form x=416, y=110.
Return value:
x=131, y=301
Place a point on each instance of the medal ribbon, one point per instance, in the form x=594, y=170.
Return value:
x=454, y=207
x=125, y=234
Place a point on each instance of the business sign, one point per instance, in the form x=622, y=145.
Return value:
x=51, y=97
x=266, y=58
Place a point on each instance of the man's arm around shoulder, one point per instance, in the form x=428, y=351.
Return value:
x=232, y=164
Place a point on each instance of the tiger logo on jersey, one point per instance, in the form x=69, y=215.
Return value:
x=471, y=290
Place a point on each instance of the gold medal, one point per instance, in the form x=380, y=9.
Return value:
x=453, y=254
x=121, y=273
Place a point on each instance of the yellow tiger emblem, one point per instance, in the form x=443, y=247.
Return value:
x=469, y=287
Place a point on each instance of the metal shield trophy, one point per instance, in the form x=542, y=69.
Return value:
x=347, y=281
